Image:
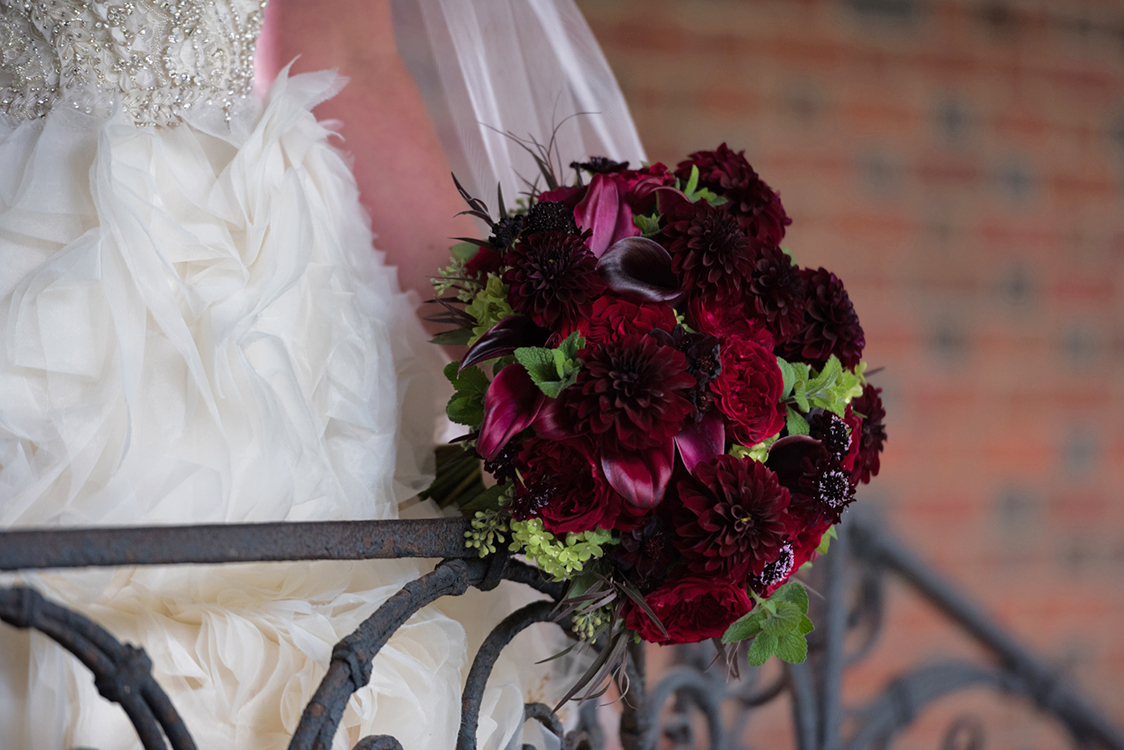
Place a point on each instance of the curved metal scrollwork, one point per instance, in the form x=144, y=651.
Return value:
x=851, y=578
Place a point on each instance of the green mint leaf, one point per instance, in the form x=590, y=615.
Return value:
x=788, y=372
x=763, y=646
x=540, y=363
x=554, y=387
x=799, y=397
x=649, y=226
x=805, y=626
x=571, y=345
x=452, y=371
x=786, y=619
x=745, y=627
x=465, y=410
x=692, y=182
x=472, y=382
x=794, y=593
x=796, y=424
x=792, y=647
x=825, y=540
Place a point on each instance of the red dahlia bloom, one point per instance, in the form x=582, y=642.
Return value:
x=691, y=610
x=757, y=208
x=733, y=521
x=749, y=390
x=778, y=293
x=561, y=485
x=709, y=252
x=631, y=393
x=873, y=433
x=553, y=278
x=830, y=324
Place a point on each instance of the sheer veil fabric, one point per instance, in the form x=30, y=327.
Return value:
x=194, y=329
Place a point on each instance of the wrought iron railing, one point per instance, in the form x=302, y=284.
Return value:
x=851, y=579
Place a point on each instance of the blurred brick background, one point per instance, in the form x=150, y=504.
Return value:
x=960, y=165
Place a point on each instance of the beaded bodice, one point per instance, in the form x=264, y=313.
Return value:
x=156, y=59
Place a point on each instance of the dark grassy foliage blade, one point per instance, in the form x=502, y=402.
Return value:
x=474, y=204
x=473, y=241
x=560, y=654
x=477, y=214
x=635, y=596
x=594, y=669
x=499, y=199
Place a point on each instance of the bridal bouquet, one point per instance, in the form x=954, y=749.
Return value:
x=672, y=412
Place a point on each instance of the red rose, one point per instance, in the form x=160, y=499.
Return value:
x=485, y=261
x=563, y=486
x=748, y=391
x=691, y=609
x=612, y=318
x=725, y=321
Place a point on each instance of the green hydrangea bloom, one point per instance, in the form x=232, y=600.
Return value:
x=489, y=307
x=558, y=557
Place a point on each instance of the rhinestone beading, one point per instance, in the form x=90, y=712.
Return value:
x=157, y=59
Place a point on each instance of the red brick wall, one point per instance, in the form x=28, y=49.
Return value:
x=960, y=165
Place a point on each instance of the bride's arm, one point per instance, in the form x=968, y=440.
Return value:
x=402, y=172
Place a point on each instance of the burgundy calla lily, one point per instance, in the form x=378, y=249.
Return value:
x=639, y=270
x=604, y=212
x=504, y=338
x=510, y=406
x=703, y=440
x=641, y=477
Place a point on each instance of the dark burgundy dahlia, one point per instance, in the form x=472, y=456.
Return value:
x=757, y=208
x=561, y=485
x=733, y=520
x=831, y=325
x=704, y=361
x=647, y=552
x=873, y=434
x=709, y=252
x=631, y=393
x=553, y=278
x=778, y=293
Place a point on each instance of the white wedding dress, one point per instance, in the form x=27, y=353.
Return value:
x=195, y=329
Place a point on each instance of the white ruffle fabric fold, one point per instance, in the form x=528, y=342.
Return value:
x=195, y=329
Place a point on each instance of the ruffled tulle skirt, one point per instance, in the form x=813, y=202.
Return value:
x=194, y=329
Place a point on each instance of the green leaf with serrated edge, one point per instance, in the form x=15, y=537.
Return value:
x=693, y=181
x=649, y=226
x=792, y=647
x=795, y=423
x=472, y=380
x=798, y=395
x=786, y=618
x=571, y=345
x=464, y=250
x=763, y=646
x=538, y=362
x=455, y=337
x=789, y=375
x=465, y=410
x=825, y=540
x=745, y=627
x=793, y=592
x=559, y=362
x=555, y=387
x=451, y=371
x=805, y=625
x=802, y=370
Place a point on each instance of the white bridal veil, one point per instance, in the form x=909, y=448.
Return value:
x=492, y=69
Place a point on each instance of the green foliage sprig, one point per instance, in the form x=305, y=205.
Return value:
x=557, y=556
x=778, y=626
x=552, y=369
